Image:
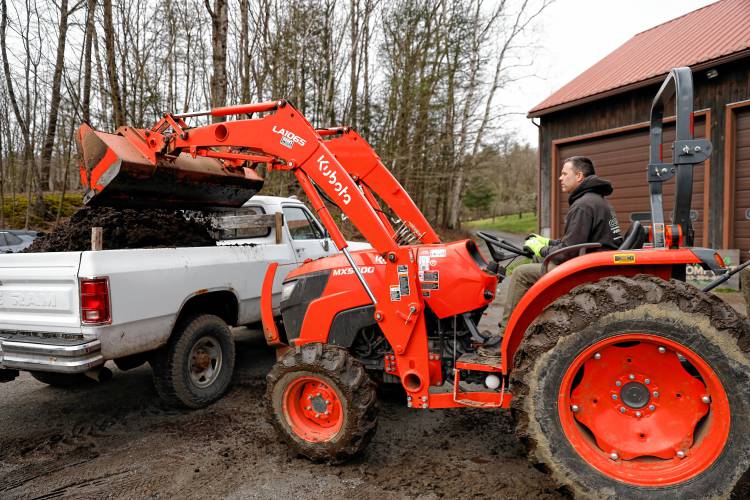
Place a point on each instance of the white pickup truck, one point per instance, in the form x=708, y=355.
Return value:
x=64, y=314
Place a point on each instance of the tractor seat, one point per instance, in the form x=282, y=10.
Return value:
x=634, y=238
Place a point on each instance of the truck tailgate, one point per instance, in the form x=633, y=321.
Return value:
x=39, y=292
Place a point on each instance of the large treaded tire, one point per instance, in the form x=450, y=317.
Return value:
x=592, y=314
x=346, y=379
x=172, y=364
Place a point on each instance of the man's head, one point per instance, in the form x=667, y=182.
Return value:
x=575, y=169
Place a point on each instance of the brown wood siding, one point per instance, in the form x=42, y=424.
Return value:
x=741, y=157
x=622, y=158
x=632, y=107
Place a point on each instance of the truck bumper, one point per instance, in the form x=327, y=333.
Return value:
x=25, y=351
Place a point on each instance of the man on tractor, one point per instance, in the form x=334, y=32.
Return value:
x=590, y=219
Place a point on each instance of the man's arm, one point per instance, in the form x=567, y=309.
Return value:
x=578, y=224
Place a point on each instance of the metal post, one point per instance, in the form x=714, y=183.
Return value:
x=359, y=274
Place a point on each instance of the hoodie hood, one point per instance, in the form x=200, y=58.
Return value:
x=591, y=184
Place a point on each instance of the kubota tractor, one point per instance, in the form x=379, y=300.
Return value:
x=623, y=380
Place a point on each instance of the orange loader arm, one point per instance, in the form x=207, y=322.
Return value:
x=369, y=172
x=284, y=140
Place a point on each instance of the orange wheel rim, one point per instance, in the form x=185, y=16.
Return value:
x=644, y=410
x=312, y=409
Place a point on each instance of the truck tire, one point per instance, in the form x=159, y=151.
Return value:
x=636, y=388
x=196, y=366
x=322, y=403
x=62, y=380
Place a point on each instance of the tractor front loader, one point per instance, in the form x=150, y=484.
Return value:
x=624, y=381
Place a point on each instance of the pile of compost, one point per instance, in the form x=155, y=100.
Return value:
x=126, y=228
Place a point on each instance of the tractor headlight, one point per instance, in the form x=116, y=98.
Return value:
x=287, y=289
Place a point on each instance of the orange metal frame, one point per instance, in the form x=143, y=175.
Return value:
x=284, y=140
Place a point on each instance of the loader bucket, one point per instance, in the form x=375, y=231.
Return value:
x=117, y=172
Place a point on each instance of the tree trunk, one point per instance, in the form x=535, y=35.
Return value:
x=354, y=76
x=54, y=104
x=245, y=51
x=88, y=40
x=118, y=113
x=219, y=29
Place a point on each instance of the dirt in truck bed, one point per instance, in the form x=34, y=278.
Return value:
x=125, y=228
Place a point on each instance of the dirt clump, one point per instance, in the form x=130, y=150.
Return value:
x=126, y=228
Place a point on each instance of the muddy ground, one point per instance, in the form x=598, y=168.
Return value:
x=125, y=228
x=117, y=440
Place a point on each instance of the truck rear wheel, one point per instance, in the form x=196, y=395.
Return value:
x=635, y=387
x=322, y=402
x=196, y=366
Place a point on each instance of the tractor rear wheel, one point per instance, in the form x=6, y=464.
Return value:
x=322, y=402
x=637, y=387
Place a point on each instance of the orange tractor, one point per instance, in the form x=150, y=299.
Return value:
x=623, y=379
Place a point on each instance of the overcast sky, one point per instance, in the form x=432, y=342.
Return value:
x=574, y=35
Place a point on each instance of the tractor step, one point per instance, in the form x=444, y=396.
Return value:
x=478, y=363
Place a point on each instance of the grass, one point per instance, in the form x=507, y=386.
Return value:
x=14, y=215
x=526, y=224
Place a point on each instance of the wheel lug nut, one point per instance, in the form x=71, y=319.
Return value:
x=317, y=415
x=656, y=394
x=614, y=455
x=326, y=412
x=638, y=414
x=597, y=356
x=662, y=350
x=318, y=394
x=631, y=376
x=308, y=408
x=574, y=408
x=622, y=409
x=647, y=381
x=614, y=396
x=309, y=396
x=651, y=407
x=706, y=399
x=618, y=383
x=328, y=402
x=680, y=454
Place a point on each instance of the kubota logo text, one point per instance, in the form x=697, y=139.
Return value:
x=331, y=174
x=289, y=135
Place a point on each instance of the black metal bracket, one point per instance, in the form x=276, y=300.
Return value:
x=686, y=153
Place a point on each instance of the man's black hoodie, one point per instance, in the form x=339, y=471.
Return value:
x=590, y=219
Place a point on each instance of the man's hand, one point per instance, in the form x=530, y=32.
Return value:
x=534, y=243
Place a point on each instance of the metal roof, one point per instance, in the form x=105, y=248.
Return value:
x=708, y=35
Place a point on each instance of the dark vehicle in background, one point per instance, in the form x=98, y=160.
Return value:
x=12, y=240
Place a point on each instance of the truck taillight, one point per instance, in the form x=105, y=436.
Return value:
x=95, y=301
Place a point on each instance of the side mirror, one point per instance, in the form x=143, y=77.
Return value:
x=325, y=244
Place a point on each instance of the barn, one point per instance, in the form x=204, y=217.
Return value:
x=603, y=114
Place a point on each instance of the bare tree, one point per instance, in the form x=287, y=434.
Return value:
x=219, y=29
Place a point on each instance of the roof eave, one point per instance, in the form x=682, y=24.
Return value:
x=635, y=85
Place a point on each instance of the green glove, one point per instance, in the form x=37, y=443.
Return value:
x=535, y=243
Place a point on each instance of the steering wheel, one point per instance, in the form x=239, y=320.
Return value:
x=491, y=239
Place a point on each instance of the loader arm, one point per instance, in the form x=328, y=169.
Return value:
x=284, y=140
x=367, y=169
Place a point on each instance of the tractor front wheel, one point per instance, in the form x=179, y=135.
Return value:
x=637, y=388
x=322, y=402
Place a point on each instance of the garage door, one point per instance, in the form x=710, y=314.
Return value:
x=622, y=159
x=741, y=156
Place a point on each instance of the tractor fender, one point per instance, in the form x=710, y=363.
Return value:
x=586, y=269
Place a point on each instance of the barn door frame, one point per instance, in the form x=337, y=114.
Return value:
x=730, y=123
